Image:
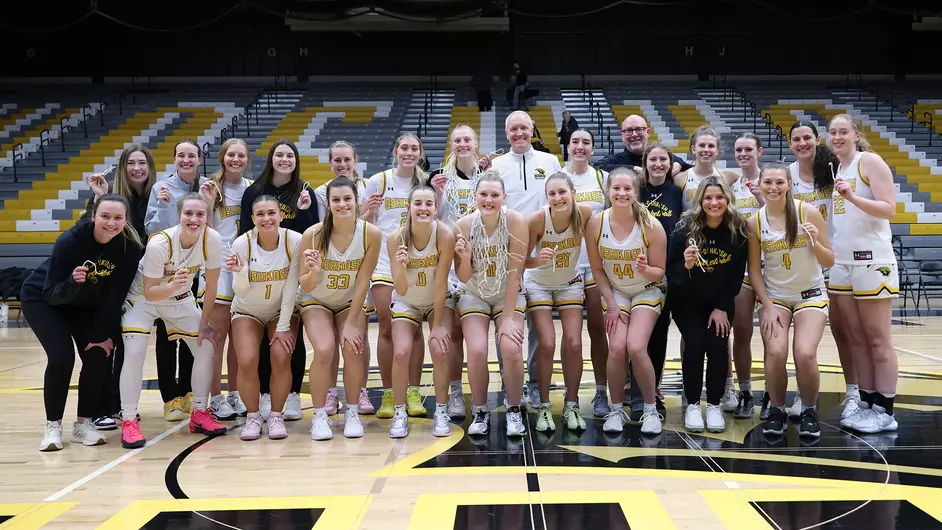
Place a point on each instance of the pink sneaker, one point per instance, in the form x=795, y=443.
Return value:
x=276, y=427
x=364, y=406
x=252, y=428
x=330, y=407
x=131, y=436
x=201, y=421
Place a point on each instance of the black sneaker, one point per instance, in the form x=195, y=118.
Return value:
x=746, y=407
x=104, y=423
x=659, y=405
x=766, y=406
x=809, y=424
x=637, y=408
x=776, y=422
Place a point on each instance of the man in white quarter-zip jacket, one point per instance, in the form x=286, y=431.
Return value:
x=525, y=170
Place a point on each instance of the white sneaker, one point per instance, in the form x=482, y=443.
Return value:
x=455, y=406
x=352, y=427
x=85, y=434
x=515, y=426
x=442, y=423
x=693, y=418
x=885, y=421
x=730, y=400
x=866, y=421
x=615, y=420
x=533, y=396
x=714, y=418
x=221, y=408
x=235, y=401
x=400, y=425
x=651, y=422
x=320, y=428
x=851, y=404
x=264, y=405
x=293, y=407
x=52, y=438
x=795, y=410
x=480, y=423
x=850, y=420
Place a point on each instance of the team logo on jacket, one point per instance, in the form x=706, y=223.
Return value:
x=884, y=270
x=540, y=173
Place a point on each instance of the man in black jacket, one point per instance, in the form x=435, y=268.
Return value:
x=635, y=133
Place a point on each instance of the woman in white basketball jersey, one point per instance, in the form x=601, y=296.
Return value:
x=748, y=151
x=705, y=147
x=553, y=280
x=420, y=254
x=454, y=187
x=812, y=175
x=264, y=263
x=339, y=255
x=387, y=197
x=628, y=256
x=489, y=255
x=230, y=184
x=590, y=190
x=161, y=290
x=343, y=159
x=788, y=245
x=864, y=279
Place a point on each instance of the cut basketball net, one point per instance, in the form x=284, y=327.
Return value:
x=489, y=287
x=700, y=259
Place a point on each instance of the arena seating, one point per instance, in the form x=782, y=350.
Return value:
x=49, y=193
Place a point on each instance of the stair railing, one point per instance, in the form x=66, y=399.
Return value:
x=205, y=148
x=611, y=143
x=42, y=151
x=85, y=118
x=15, y=155
x=62, y=126
x=911, y=112
x=929, y=127
x=768, y=121
x=781, y=141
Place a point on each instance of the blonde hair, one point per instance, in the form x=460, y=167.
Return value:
x=450, y=170
x=357, y=179
x=122, y=186
x=405, y=235
x=705, y=130
x=575, y=218
x=861, y=144
x=419, y=176
x=791, y=211
x=694, y=219
x=640, y=212
x=220, y=175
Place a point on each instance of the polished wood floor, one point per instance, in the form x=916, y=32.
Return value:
x=565, y=480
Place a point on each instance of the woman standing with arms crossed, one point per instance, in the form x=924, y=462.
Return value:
x=864, y=279
x=265, y=263
x=281, y=179
x=76, y=295
x=339, y=256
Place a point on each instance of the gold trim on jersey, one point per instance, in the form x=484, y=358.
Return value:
x=284, y=234
x=598, y=238
x=205, y=244
x=860, y=170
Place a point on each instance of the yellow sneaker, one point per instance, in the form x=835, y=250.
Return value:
x=414, y=406
x=388, y=408
x=187, y=403
x=173, y=410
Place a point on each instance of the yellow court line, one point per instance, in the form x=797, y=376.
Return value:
x=34, y=514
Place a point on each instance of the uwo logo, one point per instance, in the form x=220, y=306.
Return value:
x=540, y=173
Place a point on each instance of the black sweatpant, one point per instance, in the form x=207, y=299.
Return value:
x=699, y=341
x=298, y=363
x=657, y=351
x=170, y=388
x=110, y=401
x=60, y=330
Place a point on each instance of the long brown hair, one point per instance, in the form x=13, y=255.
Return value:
x=295, y=186
x=645, y=177
x=129, y=232
x=195, y=185
x=122, y=186
x=220, y=175
x=694, y=219
x=327, y=225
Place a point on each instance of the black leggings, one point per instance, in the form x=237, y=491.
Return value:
x=170, y=388
x=57, y=327
x=298, y=363
x=110, y=401
x=699, y=341
x=657, y=350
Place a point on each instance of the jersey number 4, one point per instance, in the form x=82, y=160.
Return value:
x=623, y=270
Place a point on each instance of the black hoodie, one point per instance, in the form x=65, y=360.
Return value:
x=103, y=292
x=724, y=266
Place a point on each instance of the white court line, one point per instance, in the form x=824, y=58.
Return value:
x=917, y=354
x=114, y=463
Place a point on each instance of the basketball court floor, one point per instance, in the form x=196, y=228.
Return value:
x=566, y=480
